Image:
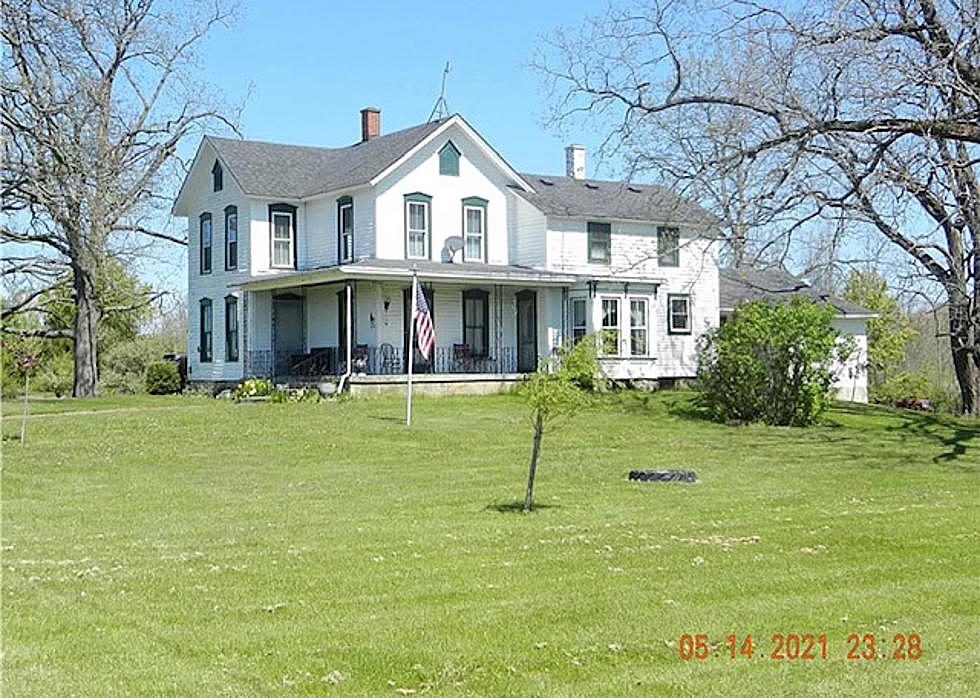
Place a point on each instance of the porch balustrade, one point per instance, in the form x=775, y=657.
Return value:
x=384, y=359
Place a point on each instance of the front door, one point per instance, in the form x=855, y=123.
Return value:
x=287, y=331
x=527, y=331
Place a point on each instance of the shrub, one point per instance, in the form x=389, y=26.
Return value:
x=770, y=363
x=579, y=362
x=162, y=378
x=55, y=374
x=124, y=365
x=913, y=386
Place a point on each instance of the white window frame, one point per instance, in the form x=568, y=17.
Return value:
x=273, y=239
x=645, y=327
x=346, y=235
x=229, y=240
x=604, y=328
x=467, y=234
x=425, y=231
x=207, y=242
x=584, y=327
x=671, y=328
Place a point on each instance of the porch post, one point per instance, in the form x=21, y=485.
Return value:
x=411, y=347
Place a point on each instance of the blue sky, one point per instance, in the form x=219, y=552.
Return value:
x=311, y=67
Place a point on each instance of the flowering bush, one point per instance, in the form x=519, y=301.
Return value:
x=262, y=387
x=253, y=387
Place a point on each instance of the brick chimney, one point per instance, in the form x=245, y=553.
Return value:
x=370, y=123
x=575, y=161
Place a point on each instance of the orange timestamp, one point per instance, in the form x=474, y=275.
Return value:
x=801, y=646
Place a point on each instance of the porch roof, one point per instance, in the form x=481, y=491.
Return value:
x=382, y=269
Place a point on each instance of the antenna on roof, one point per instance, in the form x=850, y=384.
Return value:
x=441, y=108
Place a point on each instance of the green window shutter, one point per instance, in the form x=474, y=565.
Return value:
x=449, y=160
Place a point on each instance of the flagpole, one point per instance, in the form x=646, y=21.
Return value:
x=411, y=346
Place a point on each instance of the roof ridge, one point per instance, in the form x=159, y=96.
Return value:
x=584, y=180
x=323, y=147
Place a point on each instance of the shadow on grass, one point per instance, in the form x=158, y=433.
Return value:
x=517, y=507
x=684, y=406
x=379, y=418
x=952, y=434
x=675, y=403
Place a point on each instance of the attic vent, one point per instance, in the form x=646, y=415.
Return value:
x=547, y=182
x=635, y=190
x=589, y=185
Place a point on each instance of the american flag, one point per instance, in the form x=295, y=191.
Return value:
x=423, y=324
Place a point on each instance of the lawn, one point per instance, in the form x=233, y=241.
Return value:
x=194, y=547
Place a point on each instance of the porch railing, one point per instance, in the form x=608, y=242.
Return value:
x=384, y=359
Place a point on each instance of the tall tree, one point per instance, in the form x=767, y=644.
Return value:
x=874, y=104
x=97, y=95
x=889, y=332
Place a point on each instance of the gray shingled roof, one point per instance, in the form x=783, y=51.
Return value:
x=296, y=171
x=566, y=196
x=743, y=284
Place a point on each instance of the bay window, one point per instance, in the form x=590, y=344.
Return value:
x=579, y=325
x=638, y=327
x=678, y=314
x=610, y=326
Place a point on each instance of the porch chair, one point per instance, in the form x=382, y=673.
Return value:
x=462, y=358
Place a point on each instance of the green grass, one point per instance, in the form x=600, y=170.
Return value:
x=209, y=548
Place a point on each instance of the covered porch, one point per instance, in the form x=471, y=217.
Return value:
x=489, y=321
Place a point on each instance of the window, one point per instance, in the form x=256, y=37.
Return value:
x=668, y=247
x=231, y=237
x=474, y=229
x=449, y=160
x=205, y=243
x=205, y=335
x=599, y=234
x=579, y=326
x=638, y=327
x=231, y=328
x=610, y=326
x=476, y=321
x=417, y=223
x=217, y=176
x=282, y=224
x=345, y=229
x=678, y=314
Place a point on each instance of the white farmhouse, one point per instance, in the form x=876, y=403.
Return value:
x=301, y=260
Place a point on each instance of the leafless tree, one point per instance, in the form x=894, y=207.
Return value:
x=96, y=96
x=875, y=105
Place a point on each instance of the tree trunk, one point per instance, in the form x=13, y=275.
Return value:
x=967, y=371
x=84, y=333
x=529, y=495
